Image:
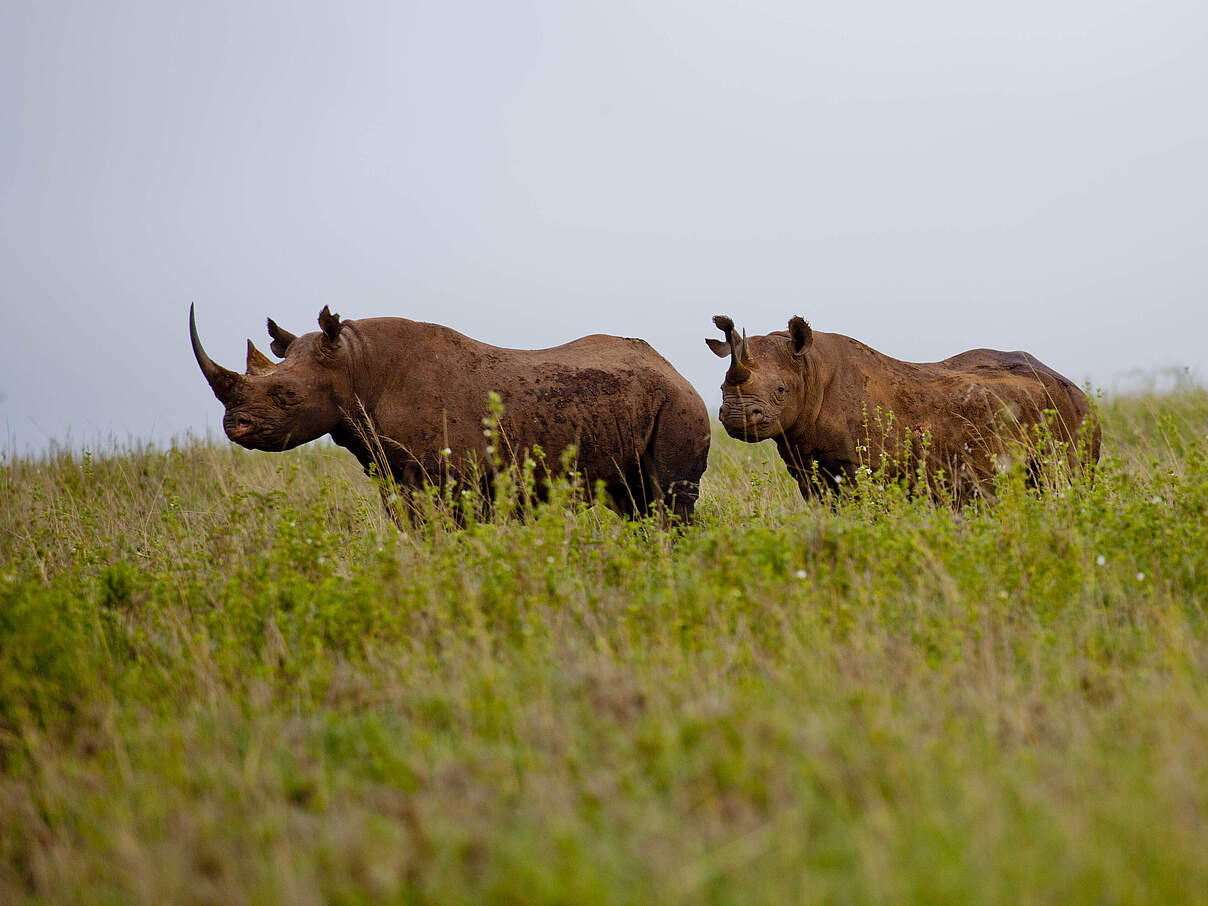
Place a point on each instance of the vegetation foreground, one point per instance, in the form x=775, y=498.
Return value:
x=226, y=677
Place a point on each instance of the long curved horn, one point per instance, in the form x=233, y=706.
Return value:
x=227, y=385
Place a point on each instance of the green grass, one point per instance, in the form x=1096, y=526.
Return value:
x=226, y=677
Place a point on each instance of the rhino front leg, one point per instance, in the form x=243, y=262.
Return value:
x=397, y=490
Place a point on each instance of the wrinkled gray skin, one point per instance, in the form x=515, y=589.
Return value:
x=835, y=407
x=406, y=391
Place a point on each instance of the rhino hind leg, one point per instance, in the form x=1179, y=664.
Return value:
x=625, y=495
x=637, y=491
x=675, y=459
x=668, y=492
x=682, y=495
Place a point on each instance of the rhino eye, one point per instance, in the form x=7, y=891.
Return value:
x=781, y=389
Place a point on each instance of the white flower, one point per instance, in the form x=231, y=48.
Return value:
x=1140, y=577
x=490, y=449
x=446, y=452
x=801, y=574
x=549, y=559
x=838, y=479
x=1155, y=499
x=1101, y=560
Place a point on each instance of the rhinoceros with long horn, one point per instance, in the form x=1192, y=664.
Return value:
x=416, y=395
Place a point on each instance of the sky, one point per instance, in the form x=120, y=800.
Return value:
x=926, y=177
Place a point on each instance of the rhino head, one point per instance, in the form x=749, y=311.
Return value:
x=279, y=405
x=764, y=390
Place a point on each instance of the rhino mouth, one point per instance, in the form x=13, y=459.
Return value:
x=245, y=432
x=750, y=421
x=749, y=431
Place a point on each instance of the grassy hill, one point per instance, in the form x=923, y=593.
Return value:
x=226, y=677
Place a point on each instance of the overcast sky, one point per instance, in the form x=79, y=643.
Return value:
x=927, y=177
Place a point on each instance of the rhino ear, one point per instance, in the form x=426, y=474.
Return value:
x=725, y=324
x=281, y=339
x=801, y=336
x=723, y=348
x=257, y=361
x=330, y=325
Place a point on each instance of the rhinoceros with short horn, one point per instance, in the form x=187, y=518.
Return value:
x=636, y=424
x=835, y=407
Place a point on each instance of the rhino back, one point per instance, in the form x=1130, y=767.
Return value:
x=601, y=394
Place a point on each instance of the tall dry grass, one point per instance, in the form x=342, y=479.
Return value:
x=228, y=677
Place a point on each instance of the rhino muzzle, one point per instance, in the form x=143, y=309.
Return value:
x=749, y=419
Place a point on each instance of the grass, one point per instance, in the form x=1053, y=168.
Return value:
x=226, y=677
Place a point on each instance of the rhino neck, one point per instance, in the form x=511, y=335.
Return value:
x=380, y=357
x=817, y=376
x=814, y=436
x=380, y=391
x=348, y=437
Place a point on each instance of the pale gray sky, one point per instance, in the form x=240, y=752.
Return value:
x=926, y=177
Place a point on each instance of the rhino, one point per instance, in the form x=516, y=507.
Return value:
x=837, y=408
x=416, y=395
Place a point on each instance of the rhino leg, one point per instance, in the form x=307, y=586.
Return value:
x=681, y=499
x=625, y=495
x=675, y=459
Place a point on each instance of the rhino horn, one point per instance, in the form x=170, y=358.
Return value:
x=257, y=361
x=226, y=384
x=740, y=361
x=740, y=357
